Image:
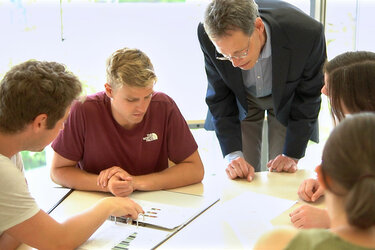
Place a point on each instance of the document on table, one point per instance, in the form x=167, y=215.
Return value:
x=171, y=210
x=165, y=214
x=250, y=215
x=113, y=235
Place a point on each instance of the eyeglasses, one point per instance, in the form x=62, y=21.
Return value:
x=240, y=55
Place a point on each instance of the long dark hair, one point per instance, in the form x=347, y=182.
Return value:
x=351, y=83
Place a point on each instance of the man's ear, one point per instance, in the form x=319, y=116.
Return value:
x=259, y=25
x=108, y=90
x=39, y=122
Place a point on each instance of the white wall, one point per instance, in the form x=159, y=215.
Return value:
x=91, y=32
x=165, y=31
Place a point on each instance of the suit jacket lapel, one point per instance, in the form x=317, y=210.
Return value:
x=280, y=63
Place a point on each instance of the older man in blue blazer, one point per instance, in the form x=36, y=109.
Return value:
x=262, y=59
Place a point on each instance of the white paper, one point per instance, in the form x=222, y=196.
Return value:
x=111, y=234
x=165, y=216
x=258, y=206
x=250, y=215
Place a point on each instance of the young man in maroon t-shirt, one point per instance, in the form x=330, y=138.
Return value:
x=121, y=140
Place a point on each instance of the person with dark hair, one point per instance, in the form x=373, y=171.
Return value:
x=350, y=88
x=259, y=61
x=128, y=137
x=347, y=173
x=35, y=100
x=350, y=83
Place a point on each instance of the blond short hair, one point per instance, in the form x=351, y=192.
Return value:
x=130, y=67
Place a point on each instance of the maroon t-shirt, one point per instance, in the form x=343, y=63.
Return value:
x=94, y=139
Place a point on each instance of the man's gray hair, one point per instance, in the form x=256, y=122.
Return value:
x=222, y=16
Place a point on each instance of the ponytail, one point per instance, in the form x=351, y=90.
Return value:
x=349, y=159
x=360, y=202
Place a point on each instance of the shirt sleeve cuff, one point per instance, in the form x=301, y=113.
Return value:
x=231, y=156
x=295, y=159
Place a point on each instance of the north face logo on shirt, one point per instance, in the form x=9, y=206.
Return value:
x=150, y=137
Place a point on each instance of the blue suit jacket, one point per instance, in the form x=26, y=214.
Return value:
x=298, y=53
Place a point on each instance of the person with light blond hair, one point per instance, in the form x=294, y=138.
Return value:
x=124, y=138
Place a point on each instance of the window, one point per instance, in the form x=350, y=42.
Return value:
x=82, y=34
x=349, y=25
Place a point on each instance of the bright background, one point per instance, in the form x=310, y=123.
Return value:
x=82, y=34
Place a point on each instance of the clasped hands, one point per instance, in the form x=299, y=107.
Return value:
x=116, y=180
x=239, y=167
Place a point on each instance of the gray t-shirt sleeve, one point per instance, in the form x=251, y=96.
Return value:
x=16, y=203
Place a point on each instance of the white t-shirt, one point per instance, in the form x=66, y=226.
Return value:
x=16, y=203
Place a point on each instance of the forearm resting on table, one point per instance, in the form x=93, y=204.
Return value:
x=76, y=178
x=188, y=172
